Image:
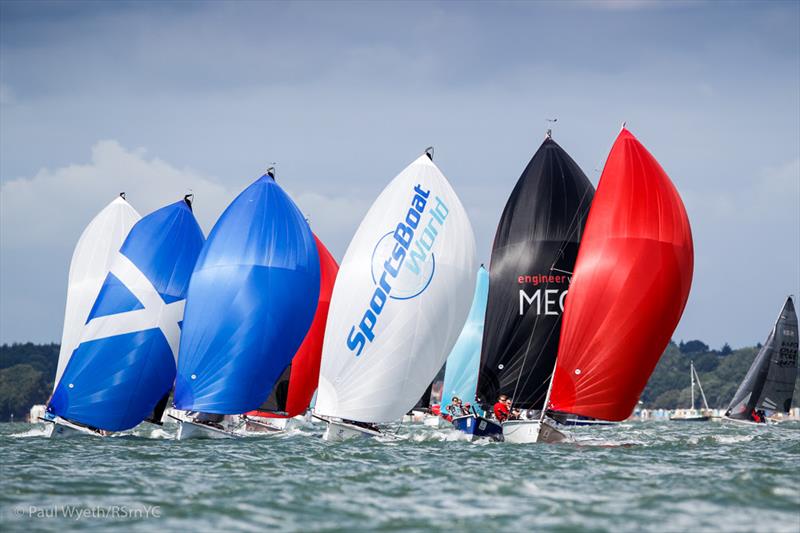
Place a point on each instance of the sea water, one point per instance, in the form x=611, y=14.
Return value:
x=650, y=476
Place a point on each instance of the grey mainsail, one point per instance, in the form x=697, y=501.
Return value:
x=769, y=384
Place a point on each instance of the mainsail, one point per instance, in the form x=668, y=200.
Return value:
x=91, y=262
x=251, y=301
x=125, y=361
x=293, y=391
x=461, y=372
x=629, y=289
x=400, y=301
x=769, y=383
x=533, y=257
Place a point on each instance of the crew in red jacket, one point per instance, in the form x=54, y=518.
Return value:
x=501, y=410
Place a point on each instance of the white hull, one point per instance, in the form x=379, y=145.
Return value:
x=60, y=428
x=746, y=422
x=434, y=421
x=531, y=431
x=192, y=430
x=341, y=431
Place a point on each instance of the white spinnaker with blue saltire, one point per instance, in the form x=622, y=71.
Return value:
x=125, y=362
x=401, y=297
x=91, y=261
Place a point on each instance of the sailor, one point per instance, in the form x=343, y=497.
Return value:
x=456, y=407
x=501, y=408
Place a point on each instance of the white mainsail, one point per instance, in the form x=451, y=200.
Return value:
x=401, y=297
x=91, y=262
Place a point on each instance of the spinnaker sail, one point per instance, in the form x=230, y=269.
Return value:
x=250, y=303
x=293, y=391
x=399, y=301
x=125, y=361
x=769, y=383
x=91, y=262
x=533, y=256
x=463, y=363
x=630, y=285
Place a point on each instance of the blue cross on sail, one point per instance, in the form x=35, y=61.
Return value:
x=125, y=361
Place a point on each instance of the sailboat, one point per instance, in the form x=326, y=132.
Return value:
x=533, y=256
x=461, y=372
x=252, y=298
x=769, y=384
x=398, y=304
x=630, y=286
x=88, y=269
x=691, y=415
x=123, y=367
x=291, y=395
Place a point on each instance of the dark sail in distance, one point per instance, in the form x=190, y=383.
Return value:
x=769, y=384
x=533, y=255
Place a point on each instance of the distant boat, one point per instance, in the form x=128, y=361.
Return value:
x=398, y=304
x=123, y=368
x=632, y=279
x=769, y=384
x=251, y=301
x=533, y=256
x=461, y=371
x=692, y=415
x=291, y=395
x=91, y=261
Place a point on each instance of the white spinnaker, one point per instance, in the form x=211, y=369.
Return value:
x=412, y=336
x=91, y=261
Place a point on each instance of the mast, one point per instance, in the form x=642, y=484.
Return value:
x=700, y=386
x=691, y=373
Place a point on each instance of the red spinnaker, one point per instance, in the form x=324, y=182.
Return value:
x=304, y=374
x=630, y=286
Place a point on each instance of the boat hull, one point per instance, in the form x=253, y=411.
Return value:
x=531, y=431
x=338, y=431
x=745, y=422
x=478, y=427
x=60, y=429
x=701, y=418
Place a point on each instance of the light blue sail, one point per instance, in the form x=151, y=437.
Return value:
x=463, y=364
x=125, y=361
x=251, y=300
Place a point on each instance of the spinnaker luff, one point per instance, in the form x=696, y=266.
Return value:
x=631, y=282
x=250, y=303
x=533, y=256
x=769, y=383
x=125, y=362
x=399, y=301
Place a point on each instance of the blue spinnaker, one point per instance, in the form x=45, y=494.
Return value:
x=125, y=361
x=251, y=301
x=463, y=363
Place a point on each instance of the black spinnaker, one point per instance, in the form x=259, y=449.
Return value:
x=533, y=255
x=769, y=384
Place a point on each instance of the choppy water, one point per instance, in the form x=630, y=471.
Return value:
x=655, y=476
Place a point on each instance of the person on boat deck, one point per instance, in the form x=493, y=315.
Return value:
x=502, y=409
x=456, y=407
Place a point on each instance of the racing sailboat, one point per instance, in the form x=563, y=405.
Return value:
x=252, y=298
x=691, y=414
x=769, y=384
x=398, y=304
x=533, y=256
x=123, y=366
x=630, y=285
x=291, y=395
x=461, y=372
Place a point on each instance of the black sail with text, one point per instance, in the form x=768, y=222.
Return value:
x=769, y=383
x=533, y=255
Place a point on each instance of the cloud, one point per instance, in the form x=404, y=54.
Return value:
x=42, y=217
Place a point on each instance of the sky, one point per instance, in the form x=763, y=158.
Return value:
x=161, y=98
